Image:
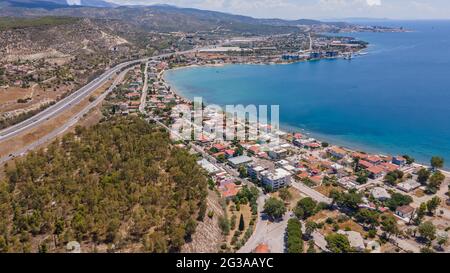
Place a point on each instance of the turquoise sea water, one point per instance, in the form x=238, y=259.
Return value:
x=396, y=99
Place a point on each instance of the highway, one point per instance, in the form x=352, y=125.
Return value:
x=67, y=103
x=63, y=104
x=74, y=98
x=72, y=121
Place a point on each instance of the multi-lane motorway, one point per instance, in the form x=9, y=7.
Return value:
x=65, y=104
x=72, y=99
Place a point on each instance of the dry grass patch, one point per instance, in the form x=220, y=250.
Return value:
x=32, y=135
x=326, y=190
x=245, y=210
x=419, y=193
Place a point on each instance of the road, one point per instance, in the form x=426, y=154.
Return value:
x=144, y=90
x=63, y=104
x=317, y=196
x=67, y=103
x=72, y=121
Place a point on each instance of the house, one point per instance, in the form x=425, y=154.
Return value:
x=203, y=140
x=405, y=212
x=374, y=159
x=376, y=172
x=359, y=155
x=208, y=166
x=133, y=95
x=355, y=239
x=229, y=153
x=238, y=161
x=261, y=248
x=277, y=153
x=389, y=167
x=254, y=150
x=219, y=147
x=399, y=160
x=348, y=182
x=254, y=171
x=277, y=178
x=365, y=164
x=408, y=185
x=317, y=179
x=229, y=190
x=337, y=152
x=380, y=193
x=313, y=145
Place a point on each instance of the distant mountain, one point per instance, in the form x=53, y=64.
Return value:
x=166, y=18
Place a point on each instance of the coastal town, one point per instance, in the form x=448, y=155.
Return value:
x=99, y=151
x=376, y=203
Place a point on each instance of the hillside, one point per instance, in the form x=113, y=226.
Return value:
x=118, y=186
x=45, y=58
x=165, y=18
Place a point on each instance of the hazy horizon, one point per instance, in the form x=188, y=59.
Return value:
x=316, y=9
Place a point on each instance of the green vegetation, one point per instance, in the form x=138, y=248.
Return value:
x=305, y=208
x=393, y=177
x=398, y=200
x=427, y=231
x=434, y=183
x=389, y=225
x=437, y=162
x=120, y=182
x=409, y=159
x=349, y=200
x=284, y=194
x=338, y=243
x=241, y=223
x=433, y=204
x=423, y=175
x=294, y=236
x=15, y=23
x=248, y=196
x=368, y=218
x=274, y=208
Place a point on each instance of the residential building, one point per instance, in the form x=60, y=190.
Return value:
x=277, y=178
x=355, y=239
x=405, y=212
x=399, y=160
x=238, y=161
x=380, y=193
x=408, y=185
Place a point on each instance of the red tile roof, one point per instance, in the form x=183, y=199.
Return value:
x=262, y=248
x=254, y=149
x=365, y=164
x=219, y=146
x=373, y=158
x=389, y=167
x=229, y=190
x=229, y=152
x=375, y=170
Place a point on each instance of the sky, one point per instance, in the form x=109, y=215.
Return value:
x=317, y=9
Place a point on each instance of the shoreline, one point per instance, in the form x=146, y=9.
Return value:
x=289, y=128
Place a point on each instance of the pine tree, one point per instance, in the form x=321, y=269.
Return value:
x=241, y=223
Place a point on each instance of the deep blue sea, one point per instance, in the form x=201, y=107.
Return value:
x=395, y=99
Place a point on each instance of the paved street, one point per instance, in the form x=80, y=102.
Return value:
x=317, y=196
